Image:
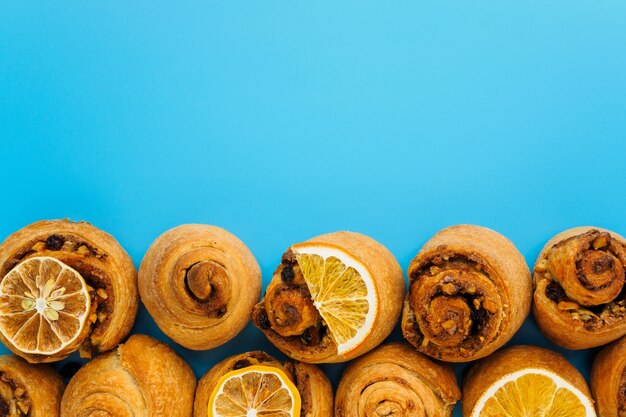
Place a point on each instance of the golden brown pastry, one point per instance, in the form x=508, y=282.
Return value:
x=71, y=258
x=479, y=380
x=469, y=292
x=608, y=380
x=313, y=386
x=579, y=278
x=395, y=380
x=143, y=377
x=333, y=298
x=200, y=284
x=28, y=390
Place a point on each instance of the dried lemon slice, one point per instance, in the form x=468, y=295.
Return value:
x=533, y=392
x=43, y=306
x=342, y=291
x=255, y=391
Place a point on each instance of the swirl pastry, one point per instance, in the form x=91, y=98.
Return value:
x=395, y=380
x=65, y=286
x=579, y=282
x=200, y=284
x=28, y=390
x=525, y=381
x=608, y=380
x=143, y=377
x=469, y=292
x=313, y=388
x=333, y=298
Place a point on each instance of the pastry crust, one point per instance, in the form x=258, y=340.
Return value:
x=307, y=339
x=199, y=283
x=568, y=313
x=394, y=379
x=143, y=377
x=312, y=384
x=469, y=292
x=101, y=261
x=608, y=380
x=28, y=390
x=486, y=372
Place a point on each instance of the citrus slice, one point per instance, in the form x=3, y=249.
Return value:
x=342, y=291
x=255, y=391
x=43, y=306
x=533, y=393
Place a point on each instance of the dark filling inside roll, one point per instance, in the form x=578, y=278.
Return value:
x=621, y=396
x=288, y=307
x=14, y=400
x=584, y=275
x=78, y=254
x=455, y=305
x=208, y=284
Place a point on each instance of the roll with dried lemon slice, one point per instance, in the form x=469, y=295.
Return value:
x=526, y=381
x=28, y=390
x=333, y=298
x=395, y=380
x=64, y=287
x=579, y=281
x=143, y=377
x=199, y=283
x=469, y=292
x=256, y=384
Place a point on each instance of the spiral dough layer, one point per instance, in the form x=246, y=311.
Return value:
x=579, y=288
x=469, y=292
x=143, y=377
x=395, y=380
x=200, y=284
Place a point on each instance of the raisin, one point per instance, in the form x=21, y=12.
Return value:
x=311, y=336
x=241, y=363
x=287, y=273
x=289, y=258
x=68, y=370
x=479, y=317
x=4, y=407
x=55, y=242
x=264, y=321
x=555, y=292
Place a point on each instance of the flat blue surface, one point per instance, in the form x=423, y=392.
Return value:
x=283, y=120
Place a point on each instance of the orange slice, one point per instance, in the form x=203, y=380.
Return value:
x=533, y=393
x=255, y=391
x=342, y=291
x=43, y=306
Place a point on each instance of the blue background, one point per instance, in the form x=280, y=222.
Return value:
x=282, y=120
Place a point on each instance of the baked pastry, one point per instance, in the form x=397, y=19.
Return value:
x=333, y=298
x=143, y=377
x=313, y=391
x=579, y=278
x=525, y=381
x=395, y=380
x=27, y=389
x=200, y=284
x=67, y=286
x=608, y=380
x=469, y=292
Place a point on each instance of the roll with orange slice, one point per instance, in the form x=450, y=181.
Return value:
x=254, y=384
x=332, y=298
x=526, y=381
x=64, y=286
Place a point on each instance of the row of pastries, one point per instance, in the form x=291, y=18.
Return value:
x=469, y=292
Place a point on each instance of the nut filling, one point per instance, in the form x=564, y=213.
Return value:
x=584, y=276
x=288, y=308
x=14, y=400
x=79, y=255
x=454, y=305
